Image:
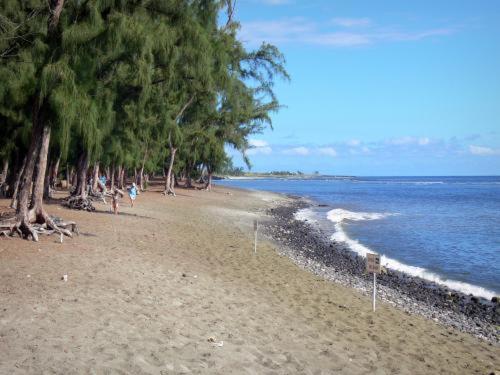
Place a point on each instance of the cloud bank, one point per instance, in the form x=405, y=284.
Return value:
x=390, y=147
x=339, y=32
x=483, y=151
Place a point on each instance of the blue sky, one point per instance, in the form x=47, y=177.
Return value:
x=381, y=87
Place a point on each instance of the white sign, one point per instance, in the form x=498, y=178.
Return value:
x=372, y=263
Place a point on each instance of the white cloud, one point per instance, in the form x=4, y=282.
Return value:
x=483, y=151
x=300, y=151
x=359, y=150
x=259, y=146
x=257, y=143
x=353, y=142
x=333, y=33
x=337, y=39
x=424, y=141
x=401, y=141
x=328, y=151
x=351, y=22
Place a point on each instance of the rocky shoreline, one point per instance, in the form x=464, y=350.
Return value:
x=311, y=249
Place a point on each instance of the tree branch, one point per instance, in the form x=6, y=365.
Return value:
x=190, y=101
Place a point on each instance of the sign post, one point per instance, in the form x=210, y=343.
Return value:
x=255, y=227
x=373, y=266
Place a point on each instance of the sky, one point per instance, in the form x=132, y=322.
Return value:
x=380, y=87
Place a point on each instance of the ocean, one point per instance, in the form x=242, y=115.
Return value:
x=444, y=229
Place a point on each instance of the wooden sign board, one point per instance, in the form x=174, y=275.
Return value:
x=372, y=263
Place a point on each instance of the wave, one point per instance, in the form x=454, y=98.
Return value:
x=306, y=214
x=338, y=216
x=405, y=182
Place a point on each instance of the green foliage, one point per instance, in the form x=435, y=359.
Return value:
x=123, y=81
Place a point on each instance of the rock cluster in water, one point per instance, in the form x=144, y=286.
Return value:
x=308, y=247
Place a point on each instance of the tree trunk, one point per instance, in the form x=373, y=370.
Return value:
x=72, y=175
x=3, y=177
x=168, y=180
x=81, y=175
x=141, y=179
x=67, y=176
x=118, y=176
x=141, y=173
x=54, y=173
x=122, y=178
x=112, y=182
x=46, y=185
x=208, y=186
x=172, y=184
x=38, y=183
x=23, y=195
x=189, y=180
x=15, y=185
x=14, y=175
x=95, y=179
x=5, y=169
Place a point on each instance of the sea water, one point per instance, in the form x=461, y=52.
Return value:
x=444, y=229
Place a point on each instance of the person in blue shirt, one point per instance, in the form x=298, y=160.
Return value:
x=132, y=193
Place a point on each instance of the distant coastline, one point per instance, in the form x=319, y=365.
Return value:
x=291, y=176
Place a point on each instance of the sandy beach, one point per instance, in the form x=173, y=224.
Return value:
x=173, y=286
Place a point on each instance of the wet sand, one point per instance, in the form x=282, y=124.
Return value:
x=173, y=286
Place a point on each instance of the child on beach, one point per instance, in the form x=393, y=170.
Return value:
x=132, y=193
x=116, y=195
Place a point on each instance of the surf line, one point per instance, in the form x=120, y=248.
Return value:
x=338, y=216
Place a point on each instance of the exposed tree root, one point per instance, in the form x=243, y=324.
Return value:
x=169, y=191
x=80, y=203
x=42, y=224
x=98, y=196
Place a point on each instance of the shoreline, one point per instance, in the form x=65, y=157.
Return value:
x=309, y=247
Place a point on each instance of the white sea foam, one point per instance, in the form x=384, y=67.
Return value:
x=406, y=182
x=428, y=182
x=306, y=214
x=338, y=216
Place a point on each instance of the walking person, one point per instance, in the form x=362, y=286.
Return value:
x=132, y=193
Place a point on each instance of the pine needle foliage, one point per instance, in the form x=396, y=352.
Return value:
x=125, y=82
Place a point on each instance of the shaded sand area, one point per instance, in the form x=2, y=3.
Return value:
x=149, y=288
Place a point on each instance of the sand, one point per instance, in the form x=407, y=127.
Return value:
x=150, y=289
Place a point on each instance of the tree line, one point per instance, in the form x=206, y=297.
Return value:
x=123, y=88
